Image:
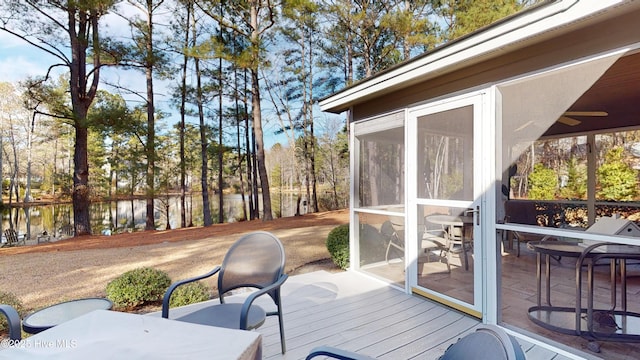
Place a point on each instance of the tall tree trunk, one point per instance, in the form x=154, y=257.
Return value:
x=306, y=103
x=253, y=203
x=81, y=193
x=151, y=142
x=312, y=162
x=82, y=95
x=254, y=176
x=14, y=173
x=257, y=119
x=133, y=212
x=206, y=208
x=183, y=101
x=220, y=147
x=55, y=166
x=334, y=179
x=312, y=152
x=239, y=147
x=116, y=221
x=27, y=190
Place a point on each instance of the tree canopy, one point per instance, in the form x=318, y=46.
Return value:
x=234, y=72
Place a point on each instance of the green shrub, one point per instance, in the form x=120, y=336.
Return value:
x=137, y=287
x=617, y=179
x=543, y=183
x=188, y=294
x=338, y=246
x=576, y=186
x=10, y=299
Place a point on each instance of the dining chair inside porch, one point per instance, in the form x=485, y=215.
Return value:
x=459, y=243
x=521, y=212
x=434, y=240
x=256, y=260
x=393, y=236
x=457, y=239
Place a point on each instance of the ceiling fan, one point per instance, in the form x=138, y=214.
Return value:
x=567, y=118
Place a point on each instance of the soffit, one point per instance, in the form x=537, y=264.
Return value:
x=617, y=92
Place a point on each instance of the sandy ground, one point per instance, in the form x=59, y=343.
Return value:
x=45, y=274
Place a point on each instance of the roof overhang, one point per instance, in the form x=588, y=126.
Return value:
x=530, y=27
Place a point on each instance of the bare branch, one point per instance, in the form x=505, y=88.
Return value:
x=271, y=18
x=40, y=9
x=223, y=22
x=38, y=112
x=126, y=90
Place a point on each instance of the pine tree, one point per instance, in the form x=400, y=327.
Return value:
x=617, y=180
x=543, y=183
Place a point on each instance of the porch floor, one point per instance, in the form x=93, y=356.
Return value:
x=519, y=293
x=357, y=313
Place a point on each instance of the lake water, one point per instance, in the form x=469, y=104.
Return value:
x=129, y=215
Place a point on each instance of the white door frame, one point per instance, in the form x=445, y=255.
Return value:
x=485, y=270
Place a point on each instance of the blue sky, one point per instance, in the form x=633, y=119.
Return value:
x=18, y=60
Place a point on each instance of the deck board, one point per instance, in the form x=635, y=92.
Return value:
x=355, y=312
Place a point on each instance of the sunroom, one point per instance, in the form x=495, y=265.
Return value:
x=472, y=164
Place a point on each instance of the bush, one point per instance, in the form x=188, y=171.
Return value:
x=10, y=299
x=137, y=287
x=188, y=294
x=338, y=246
x=543, y=183
x=617, y=179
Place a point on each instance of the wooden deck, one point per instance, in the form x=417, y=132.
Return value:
x=354, y=312
x=519, y=294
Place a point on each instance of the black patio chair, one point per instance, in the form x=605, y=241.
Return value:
x=522, y=212
x=257, y=261
x=13, y=320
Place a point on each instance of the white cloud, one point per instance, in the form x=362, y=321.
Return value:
x=17, y=68
x=19, y=60
x=9, y=41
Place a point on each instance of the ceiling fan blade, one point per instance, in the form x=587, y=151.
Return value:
x=586, y=113
x=569, y=121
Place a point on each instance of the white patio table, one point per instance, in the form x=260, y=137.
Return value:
x=103, y=334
